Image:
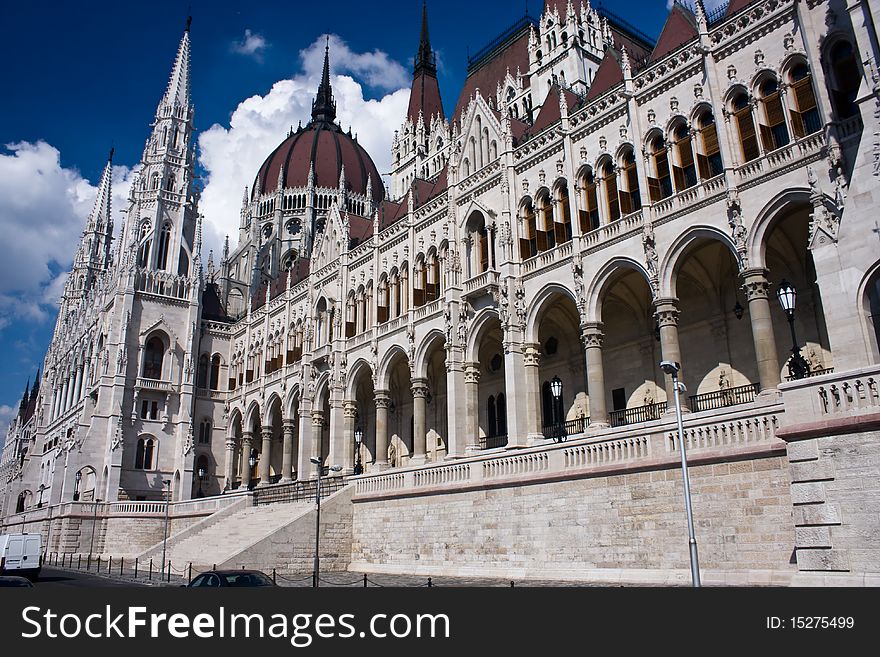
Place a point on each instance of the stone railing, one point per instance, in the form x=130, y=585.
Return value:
x=742, y=430
x=481, y=282
x=391, y=325
x=361, y=338
x=782, y=158
x=153, y=384
x=688, y=197
x=540, y=261
x=622, y=227
x=832, y=396
x=428, y=309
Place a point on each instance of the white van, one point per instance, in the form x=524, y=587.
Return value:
x=21, y=554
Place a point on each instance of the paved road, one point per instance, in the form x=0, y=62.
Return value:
x=55, y=577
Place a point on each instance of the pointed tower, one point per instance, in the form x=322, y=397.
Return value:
x=93, y=255
x=324, y=107
x=162, y=215
x=424, y=96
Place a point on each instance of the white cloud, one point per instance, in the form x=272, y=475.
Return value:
x=232, y=155
x=7, y=413
x=251, y=45
x=44, y=206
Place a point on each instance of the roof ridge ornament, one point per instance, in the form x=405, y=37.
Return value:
x=324, y=107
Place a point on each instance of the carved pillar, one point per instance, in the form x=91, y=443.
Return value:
x=757, y=289
x=383, y=401
x=247, y=441
x=472, y=404
x=317, y=439
x=340, y=443
x=289, y=431
x=349, y=419
x=532, y=385
x=666, y=312
x=229, y=471
x=304, y=466
x=456, y=424
x=420, y=407
x=592, y=337
x=265, y=455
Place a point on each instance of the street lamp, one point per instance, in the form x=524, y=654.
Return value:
x=201, y=474
x=672, y=369
x=335, y=468
x=166, y=482
x=798, y=367
x=558, y=431
x=40, y=501
x=252, y=461
x=358, y=441
x=77, y=479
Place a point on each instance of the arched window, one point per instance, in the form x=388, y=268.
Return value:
x=846, y=79
x=745, y=123
x=562, y=216
x=164, y=240
x=608, y=176
x=215, y=372
x=545, y=234
x=153, y=353
x=630, y=199
x=774, y=133
x=205, y=432
x=143, y=457
x=202, y=380
x=684, y=171
x=528, y=245
x=589, y=215
x=708, y=152
x=492, y=418
x=660, y=184
x=805, y=113
x=183, y=263
x=501, y=414
x=154, y=180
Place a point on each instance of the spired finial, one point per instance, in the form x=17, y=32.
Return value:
x=112, y=150
x=324, y=107
x=189, y=20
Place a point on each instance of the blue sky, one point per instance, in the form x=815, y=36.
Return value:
x=81, y=77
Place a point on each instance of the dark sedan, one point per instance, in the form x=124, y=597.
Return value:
x=232, y=578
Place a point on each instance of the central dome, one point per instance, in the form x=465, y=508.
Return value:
x=321, y=146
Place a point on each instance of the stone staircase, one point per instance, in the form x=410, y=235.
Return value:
x=218, y=542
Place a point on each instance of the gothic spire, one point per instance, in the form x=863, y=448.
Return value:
x=324, y=107
x=99, y=219
x=24, y=398
x=177, y=92
x=425, y=60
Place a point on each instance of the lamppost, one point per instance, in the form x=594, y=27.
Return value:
x=96, y=502
x=165, y=483
x=252, y=461
x=558, y=431
x=798, y=367
x=77, y=478
x=40, y=501
x=358, y=441
x=672, y=370
x=201, y=474
x=334, y=468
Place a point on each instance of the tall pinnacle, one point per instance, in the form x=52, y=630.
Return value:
x=324, y=107
x=425, y=60
x=177, y=92
x=99, y=219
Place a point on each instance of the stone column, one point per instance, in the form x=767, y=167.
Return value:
x=317, y=435
x=229, y=470
x=532, y=385
x=592, y=337
x=304, y=466
x=288, y=430
x=265, y=456
x=472, y=405
x=340, y=446
x=77, y=385
x=247, y=441
x=65, y=396
x=456, y=430
x=420, y=408
x=383, y=401
x=757, y=289
x=666, y=312
x=349, y=415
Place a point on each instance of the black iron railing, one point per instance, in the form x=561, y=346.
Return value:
x=812, y=373
x=565, y=429
x=489, y=442
x=637, y=414
x=297, y=491
x=721, y=398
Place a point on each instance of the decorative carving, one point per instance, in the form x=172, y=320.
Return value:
x=759, y=57
x=519, y=293
x=738, y=232
x=188, y=441
x=577, y=274
x=447, y=324
x=698, y=91
x=462, y=323
x=651, y=259
x=731, y=72
x=542, y=177
x=652, y=117
x=673, y=104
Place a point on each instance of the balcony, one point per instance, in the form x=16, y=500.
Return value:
x=153, y=384
x=637, y=414
x=723, y=398
x=566, y=429
x=485, y=283
x=796, y=153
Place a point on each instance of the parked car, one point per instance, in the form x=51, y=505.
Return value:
x=15, y=581
x=21, y=554
x=231, y=578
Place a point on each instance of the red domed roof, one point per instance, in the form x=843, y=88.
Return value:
x=323, y=146
x=328, y=148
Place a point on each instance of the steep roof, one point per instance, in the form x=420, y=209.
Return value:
x=212, y=306
x=736, y=6
x=609, y=74
x=680, y=27
x=424, y=96
x=550, y=113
